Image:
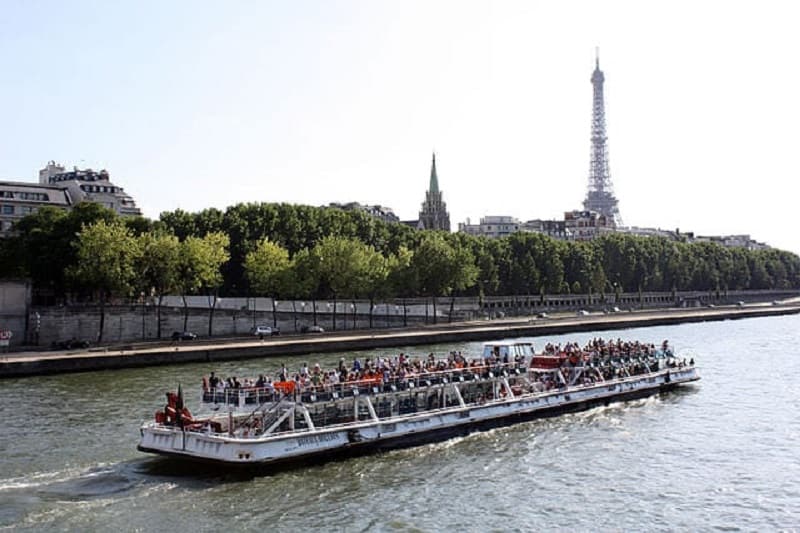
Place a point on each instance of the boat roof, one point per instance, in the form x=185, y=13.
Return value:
x=506, y=343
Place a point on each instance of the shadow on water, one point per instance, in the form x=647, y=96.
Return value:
x=91, y=483
x=109, y=480
x=199, y=474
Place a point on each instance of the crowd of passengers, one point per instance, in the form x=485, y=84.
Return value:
x=378, y=371
x=602, y=360
x=597, y=349
x=631, y=358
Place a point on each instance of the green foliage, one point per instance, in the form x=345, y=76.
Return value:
x=327, y=252
x=438, y=268
x=106, y=255
x=268, y=269
x=341, y=263
x=200, y=263
x=157, y=264
x=44, y=245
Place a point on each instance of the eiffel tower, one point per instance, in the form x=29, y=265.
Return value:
x=600, y=196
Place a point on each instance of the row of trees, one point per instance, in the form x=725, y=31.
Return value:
x=290, y=251
x=112, y=261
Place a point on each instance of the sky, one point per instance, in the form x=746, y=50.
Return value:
x=208, y=104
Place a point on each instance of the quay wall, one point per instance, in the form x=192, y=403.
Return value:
x=146, y=355
x=39, y=327
x=15, y=300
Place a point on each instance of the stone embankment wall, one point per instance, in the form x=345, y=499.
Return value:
x=237, y=316
x=138, y=323
x=15, y=299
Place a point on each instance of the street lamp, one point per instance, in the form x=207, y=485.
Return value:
x=353, y=311
x=302, y=310
x=274, y=313
x=144, y=303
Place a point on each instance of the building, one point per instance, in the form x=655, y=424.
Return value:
x=600, y=196
x=492, y=226
x=673, y=235
x=577, y=225
x=556, y=229
x=18, y=199
x=503, y=226
x=61, y=189
x=380, y=212
x=434, y=213
x=90, y=186
x=586, y=225
x=733, y=241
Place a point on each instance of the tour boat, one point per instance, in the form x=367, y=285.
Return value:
x=283, y=422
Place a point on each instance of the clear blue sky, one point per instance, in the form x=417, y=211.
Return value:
x=198, y=104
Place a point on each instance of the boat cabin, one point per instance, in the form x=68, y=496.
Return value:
x=508, y=351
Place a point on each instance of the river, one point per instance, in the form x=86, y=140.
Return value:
x=718, y=454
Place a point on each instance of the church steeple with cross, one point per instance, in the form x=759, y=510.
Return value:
x=434, y=213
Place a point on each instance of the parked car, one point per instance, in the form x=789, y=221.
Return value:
x=71, y=344
x=266, y=331
x=583, y=312
x=312, y=329
x=541, y=315
x=740, y=303
x=183, y=336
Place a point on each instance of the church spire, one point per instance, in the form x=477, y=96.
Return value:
x=434, y=213
x=434, y=187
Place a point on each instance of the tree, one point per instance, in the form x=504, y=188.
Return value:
x=45, y=243
x=158, y=267
x=343, y=266
x=305, y=279
x=106, y=255
x=439, y=268
x=267, y=269
x=199, y=269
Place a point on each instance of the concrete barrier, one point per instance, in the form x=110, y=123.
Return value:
x=15, y=365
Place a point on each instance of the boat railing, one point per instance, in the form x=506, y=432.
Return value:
x=254, y=396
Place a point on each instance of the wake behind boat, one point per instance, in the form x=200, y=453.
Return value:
x=317, y=414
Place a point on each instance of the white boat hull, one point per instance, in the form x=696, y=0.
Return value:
x=398, y=431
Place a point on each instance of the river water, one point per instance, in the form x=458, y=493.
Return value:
x=719, y=454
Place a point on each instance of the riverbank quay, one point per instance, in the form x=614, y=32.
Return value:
x=42, y=363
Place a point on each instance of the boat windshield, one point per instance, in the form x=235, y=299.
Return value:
x=507, y=351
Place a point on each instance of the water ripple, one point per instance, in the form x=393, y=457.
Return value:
x=716, y=456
